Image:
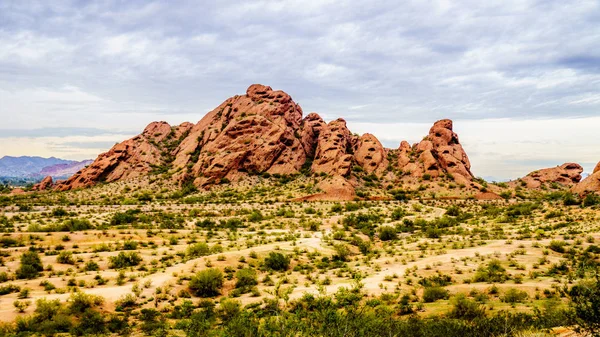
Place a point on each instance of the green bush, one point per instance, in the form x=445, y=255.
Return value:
x=591, y=199
x=513, y=296
x=387, y=233
x=31, y=265
x=206, y=283
x=65, y=258
x=493, y=272
x=246, y=278
x=277, y=261
x=463, y=308
x=124, y=260
x=432, y=294
x=197, y=250
x=557, y=246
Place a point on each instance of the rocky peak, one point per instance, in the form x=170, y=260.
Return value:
x=43, y=185
x=440, y=153
x=263, y=132
x=591, y=184
x=370, y=154
x=333, y=146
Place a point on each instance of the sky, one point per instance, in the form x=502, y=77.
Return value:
x=520, y=78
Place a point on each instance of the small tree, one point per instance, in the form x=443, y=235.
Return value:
x=277, y=261
x=585, y=300
x=464, y=308
x=246, y=278
x=387, y=233
x=21, y=306
x=31, y=265
x=207, y=283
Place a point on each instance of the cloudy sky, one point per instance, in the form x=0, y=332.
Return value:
x=520, y=79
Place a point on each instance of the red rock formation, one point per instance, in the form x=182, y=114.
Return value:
x=591, y=184
x=567, y=174
x=311, y=128
x=331, y=156
x=253, y=133
x=370, y=154
x=437, y=154
x=131, y=158
x=263, y=131
x=43, y=185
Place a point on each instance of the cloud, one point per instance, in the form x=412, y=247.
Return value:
x=59, y=132
x=120, y=65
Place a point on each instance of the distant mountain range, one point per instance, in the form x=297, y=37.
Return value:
x=38, y=167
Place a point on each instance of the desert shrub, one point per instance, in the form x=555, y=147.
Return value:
x=277, y=261
x=91, y=266
x=591, y=199
x=123, y=218
x=513, y=296
x=337, y=208
x=440, y=280
x=387, y=233
x=246, y=278
x=398, y=213
x=585, y=302
x=9, y=288
x=31, y=265
x=130, y=245
x=493, y=272
x=464, y=308
x=557, y=246
x=206, y=283
x=59, y=212
x=453, y=210
x=65, y=257
x=197, y=250
x=255, y=216
x=124, y=260
x=341, y=252
x=432, y=294
x=570, y=199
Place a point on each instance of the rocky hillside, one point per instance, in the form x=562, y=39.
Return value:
x=568, y=174
x=589, y=184
x=264, y=132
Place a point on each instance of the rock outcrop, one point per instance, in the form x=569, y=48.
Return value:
x=43, y=185
x=263, y=132
x=370, y=154
x=132, y=158
x=333, y=155
x=567, y=174
x=440, y=153
x=591, y=184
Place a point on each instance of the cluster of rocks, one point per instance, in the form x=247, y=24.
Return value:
x=264, y=131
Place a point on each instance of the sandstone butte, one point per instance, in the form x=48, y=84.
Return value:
x=589, y=184
x=264, y=131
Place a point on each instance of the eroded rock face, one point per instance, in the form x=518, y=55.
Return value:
x=263, y=131
x=248, y=134
x=132, y=158
x=439, y=153
x=567, y=174
x=311, y=128
x=370, y=154
x=591, y=184
x=332, y=155
x=43, y=185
